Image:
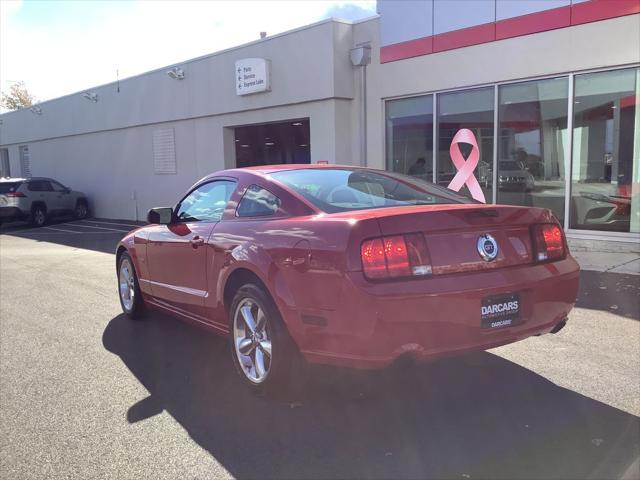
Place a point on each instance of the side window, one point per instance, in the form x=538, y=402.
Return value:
x=58, y=187
x=258, y=202
x=46, y=186
x=207, y=202
x=35, y=186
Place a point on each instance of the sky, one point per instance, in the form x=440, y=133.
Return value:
x=61, y=47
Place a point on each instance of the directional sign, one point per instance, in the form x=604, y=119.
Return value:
x=253, y=75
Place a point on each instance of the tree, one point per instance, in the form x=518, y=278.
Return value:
x=17, y=98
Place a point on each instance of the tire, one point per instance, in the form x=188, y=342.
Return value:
x=269, y=340
x=38, y=216
x=81, y=211
x=129, y=289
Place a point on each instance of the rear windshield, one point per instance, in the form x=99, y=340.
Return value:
x=343, y=190
x=6, y=187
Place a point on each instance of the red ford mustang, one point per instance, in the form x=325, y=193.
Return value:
x=347, y=266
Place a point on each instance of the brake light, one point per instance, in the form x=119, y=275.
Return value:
x=395, y=257
x=15, y=195
x=548, y=242
x=373, y=258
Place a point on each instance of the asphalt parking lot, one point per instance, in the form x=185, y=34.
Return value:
x=87, y=393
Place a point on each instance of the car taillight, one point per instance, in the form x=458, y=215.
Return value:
x=548, y=242
x=15, y=195
x=395, y=256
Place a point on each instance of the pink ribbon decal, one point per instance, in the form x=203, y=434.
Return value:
x=465, y=167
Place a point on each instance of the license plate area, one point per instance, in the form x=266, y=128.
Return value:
x=500, y=311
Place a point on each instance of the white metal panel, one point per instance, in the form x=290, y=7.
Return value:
x=511, y=8
x=402, y=20
x=164, y=152
x=449, y=15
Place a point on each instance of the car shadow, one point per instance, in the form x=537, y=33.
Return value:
x=477, y=416
x=610, y=292
x=64, y=231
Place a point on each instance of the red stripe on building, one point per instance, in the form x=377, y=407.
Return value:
x=533, y=23
x=595, y=10
x=411, y=48
x=464, y=37
x=577, y=14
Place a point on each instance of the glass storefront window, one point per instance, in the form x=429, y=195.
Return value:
x=606, y=147
x=473, y=110
x=409, y=125
x=532, y=120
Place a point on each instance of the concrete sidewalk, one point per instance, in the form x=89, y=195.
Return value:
x=603, y=256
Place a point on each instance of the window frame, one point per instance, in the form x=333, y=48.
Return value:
x=570, y=75
x=196, y=187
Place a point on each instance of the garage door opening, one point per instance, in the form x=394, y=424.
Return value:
x=273, y=143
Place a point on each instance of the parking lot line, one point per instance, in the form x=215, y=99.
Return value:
x=75, y=224
x=132, y=225
x=52, y=228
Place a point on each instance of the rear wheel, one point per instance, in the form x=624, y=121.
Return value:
x=38, y=216
x=128, y=288
x=263, y=353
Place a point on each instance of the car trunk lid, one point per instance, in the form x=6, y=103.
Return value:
x=456, y=234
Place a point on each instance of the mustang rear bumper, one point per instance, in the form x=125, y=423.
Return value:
x=427, y=318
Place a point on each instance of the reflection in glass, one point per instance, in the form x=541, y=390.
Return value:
x=471, y=109
x=409, y=126
x=606, y=140
x=532, y=120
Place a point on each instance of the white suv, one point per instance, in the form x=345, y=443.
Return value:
x=37, y=199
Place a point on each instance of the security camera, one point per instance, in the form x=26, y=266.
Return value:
x=176, y=73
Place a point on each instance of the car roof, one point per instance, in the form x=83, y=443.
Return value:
x=268, y=169
x=12, y=179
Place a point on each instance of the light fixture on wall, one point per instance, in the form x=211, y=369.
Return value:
x=36, y=110
x=91, y=96
x=176, y=73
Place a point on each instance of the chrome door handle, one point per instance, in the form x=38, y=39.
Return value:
x=197, y=241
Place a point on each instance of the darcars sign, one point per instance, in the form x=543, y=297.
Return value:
x=253, y=75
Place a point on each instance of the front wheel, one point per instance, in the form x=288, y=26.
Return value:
x=81, y=211
x=128, y=288
x=263, y=353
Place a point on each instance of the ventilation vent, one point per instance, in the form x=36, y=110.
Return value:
x=25, y=162
x=164, y=152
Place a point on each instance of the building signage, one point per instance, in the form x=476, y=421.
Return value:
x=253, y=75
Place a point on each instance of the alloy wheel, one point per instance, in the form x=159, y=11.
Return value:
x=127, y=284
x=252, y=342
x=39, y=217
x=81, y=210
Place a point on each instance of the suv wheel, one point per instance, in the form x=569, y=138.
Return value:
x=38, y=216
x=81, y=210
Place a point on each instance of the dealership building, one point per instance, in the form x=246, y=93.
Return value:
x=549, y=89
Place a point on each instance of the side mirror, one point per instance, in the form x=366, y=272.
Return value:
x=160, y=215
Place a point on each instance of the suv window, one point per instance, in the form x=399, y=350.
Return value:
x=39, y=186
x=258, y=202
x=58, y=187
x=6, y=187
x=207, y=202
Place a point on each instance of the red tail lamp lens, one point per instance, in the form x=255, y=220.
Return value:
x=373, y=259
x=395, y=250
x=15, y=195
x=549, y=242
x=396, y=256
